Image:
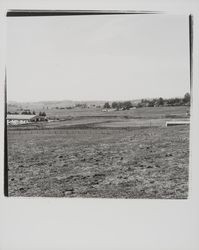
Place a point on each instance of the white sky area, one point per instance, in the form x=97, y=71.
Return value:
x=108, y=57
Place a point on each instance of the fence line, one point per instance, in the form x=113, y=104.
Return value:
x=37, y=131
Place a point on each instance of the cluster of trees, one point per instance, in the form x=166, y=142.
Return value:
x=12, y=113
x=42, y=114
x=119, y=105
x=156, y=102
x=78, y=105
x=81, y=105
x=61, y=107
x=28, y=112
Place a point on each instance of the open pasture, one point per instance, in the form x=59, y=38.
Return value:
x=148, y=112
x=109, y=163
x=95, y=118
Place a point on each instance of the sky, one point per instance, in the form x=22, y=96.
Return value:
x=105, y=57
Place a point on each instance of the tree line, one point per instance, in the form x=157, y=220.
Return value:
x=155, y=102
x=26, y=112
x=119, y=105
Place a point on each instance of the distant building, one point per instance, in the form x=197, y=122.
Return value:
x=188, y=113
x=23, y=119
x=108, y=110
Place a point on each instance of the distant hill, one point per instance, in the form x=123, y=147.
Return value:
x=12, y=105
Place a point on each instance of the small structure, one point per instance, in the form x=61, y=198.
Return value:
x=24, y=119
x=108, y=110
x=176, y=123
x=188, y=113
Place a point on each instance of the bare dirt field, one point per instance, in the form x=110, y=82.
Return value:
x=113, y=157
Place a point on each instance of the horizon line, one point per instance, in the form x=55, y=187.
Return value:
x=96, y=100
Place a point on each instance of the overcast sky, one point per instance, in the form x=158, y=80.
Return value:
x=110, y=57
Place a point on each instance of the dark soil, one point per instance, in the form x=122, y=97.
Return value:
x=110, y=163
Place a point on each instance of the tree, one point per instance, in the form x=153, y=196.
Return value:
x=187, y=98
x=120, y=106
x=26, y=112
x=152, y=103
x=177, y=101
x=42, y=114
x=127, y=105
x=114, y=105
x=160, y=101
x=33, y=112
x=107, y=105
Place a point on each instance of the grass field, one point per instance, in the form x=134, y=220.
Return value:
x=129, y=154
